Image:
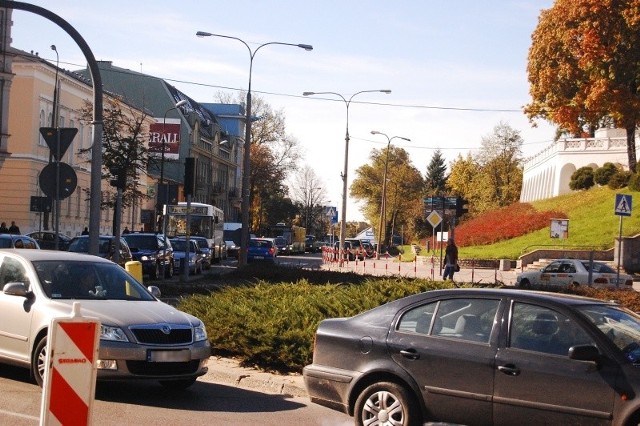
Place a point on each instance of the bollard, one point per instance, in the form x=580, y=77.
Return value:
x=134, y=268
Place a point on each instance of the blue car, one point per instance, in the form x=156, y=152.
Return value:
x=262, y=249
x=195, y=254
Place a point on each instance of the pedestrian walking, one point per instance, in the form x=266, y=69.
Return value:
x=13, y=229
x=3, y=228
x=451, y=260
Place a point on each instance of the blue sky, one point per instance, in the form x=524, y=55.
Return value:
x=456, y=69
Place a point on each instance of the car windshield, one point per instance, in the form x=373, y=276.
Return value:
x=142, y=242
x=620, y=325
x=88, y=280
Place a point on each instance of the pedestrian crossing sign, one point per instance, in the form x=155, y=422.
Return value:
x=623, y=205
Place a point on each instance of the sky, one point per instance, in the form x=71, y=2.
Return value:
x=456, y=69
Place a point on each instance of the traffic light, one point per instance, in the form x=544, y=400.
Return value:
x=461, y=206
x=119, y=178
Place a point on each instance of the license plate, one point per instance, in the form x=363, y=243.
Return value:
x=169, y=356
x=258, y=257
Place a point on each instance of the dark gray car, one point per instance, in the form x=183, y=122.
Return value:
x=481, y=356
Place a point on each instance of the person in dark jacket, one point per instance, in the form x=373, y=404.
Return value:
x=451, y=260
x=13, y=229
x=3, y=228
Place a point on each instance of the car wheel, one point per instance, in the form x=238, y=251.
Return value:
x=169, y=270
x=39, y=361
x=386, y=403
x=525, y=283
x=155, y=274
x=177, y=384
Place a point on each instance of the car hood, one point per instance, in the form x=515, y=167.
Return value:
x=124, y=313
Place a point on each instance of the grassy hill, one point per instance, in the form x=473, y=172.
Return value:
x=592, y=224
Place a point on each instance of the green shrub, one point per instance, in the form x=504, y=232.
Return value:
x=634, y=182
x=582, y=179
x=619, y=180
x=603, y=174
x=272, y=325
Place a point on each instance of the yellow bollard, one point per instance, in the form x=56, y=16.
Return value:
x=134, y=268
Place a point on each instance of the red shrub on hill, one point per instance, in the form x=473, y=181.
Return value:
x=509, y=222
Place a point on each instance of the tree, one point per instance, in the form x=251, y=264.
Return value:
x=274, y=156
x=405, y=189
x=582, y=179
x=309, y=195
x=436, y=179
x=123, y=142
x=584, y=67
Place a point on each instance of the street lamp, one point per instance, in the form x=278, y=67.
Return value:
x=246, y=161
x=166, y=187
x=383, y=201
x=343, y=227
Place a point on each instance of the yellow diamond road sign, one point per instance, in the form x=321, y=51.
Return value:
x=434, y=218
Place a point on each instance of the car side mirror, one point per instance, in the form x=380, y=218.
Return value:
x=16, y=289
x=154, y=290
x=584, y=353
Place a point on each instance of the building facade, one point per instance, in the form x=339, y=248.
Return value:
x=548, y=173
x=31, y=107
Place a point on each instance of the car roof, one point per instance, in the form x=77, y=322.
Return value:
x=558, y=298
x=44, y=255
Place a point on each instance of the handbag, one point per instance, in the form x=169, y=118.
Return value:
x=456, y=268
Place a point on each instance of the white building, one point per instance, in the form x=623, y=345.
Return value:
x=548, y=173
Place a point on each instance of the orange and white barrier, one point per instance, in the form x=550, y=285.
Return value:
x=70, y=373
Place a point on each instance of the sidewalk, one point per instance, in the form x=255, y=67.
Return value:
x=392, y=267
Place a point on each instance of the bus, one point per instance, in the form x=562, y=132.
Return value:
x=205, y=220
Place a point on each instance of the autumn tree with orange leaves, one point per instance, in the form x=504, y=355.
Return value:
x=584, y=67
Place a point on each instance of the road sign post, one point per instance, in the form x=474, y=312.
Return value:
x=622, y=207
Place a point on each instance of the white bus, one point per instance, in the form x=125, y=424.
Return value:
x=205, y=221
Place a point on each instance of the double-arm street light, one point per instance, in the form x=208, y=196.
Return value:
x=343, y=224
x=383, y=201
x=246, y=161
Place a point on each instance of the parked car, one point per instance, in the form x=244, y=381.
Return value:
x=232, y=249
x=564, y=272
x=350, y=254
x=481, y=356
x=369, y=251
x=357, y=250
x=262, y=249
x=18, y=241
x=207, y=253
x=106, y=247
x=141, y=337
x=154, y=252
x=47, y=240
x=194, y=254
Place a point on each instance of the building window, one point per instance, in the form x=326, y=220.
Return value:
x=42, y=124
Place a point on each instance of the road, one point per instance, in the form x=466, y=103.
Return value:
x=205, y=403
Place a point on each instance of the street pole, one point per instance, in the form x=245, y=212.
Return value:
x=383, y=201
x=343, y=224
x=55, y=123
x=246, y=161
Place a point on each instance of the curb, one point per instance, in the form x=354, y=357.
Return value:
x=229, y=371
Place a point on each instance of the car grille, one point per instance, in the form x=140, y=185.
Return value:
x=144, y=368
x=162, y=334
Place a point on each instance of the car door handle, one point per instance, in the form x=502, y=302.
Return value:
x=509, y=369
x=410, y=353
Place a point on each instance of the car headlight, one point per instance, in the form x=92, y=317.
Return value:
x=149, y=257
x=112, y=333
x=200, y=333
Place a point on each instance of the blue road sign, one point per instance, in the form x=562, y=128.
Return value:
x=623, y=205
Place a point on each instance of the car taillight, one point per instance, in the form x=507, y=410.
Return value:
x=628, y=282
x=272, y=250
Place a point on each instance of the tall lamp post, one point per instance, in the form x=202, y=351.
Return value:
x=383, y=201
x=343, y=224
x=246, y=161
x=166, y=187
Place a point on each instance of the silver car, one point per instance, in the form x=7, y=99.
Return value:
x=141, y=337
